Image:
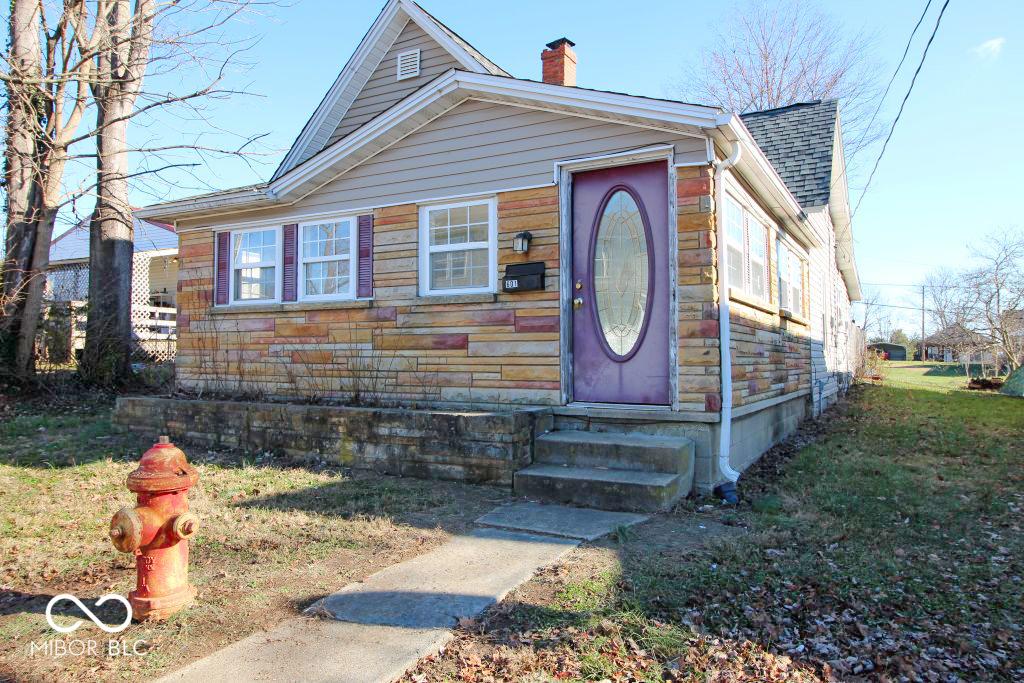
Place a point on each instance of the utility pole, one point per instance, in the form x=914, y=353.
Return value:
x=923, y=359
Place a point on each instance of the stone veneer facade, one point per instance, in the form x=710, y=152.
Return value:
x=477, y=350
x=474, y=447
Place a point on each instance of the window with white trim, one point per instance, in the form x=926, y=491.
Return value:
x=255, y=255
x=327, y=259
x=746, y=250
x=791, y=279
x=458, y=248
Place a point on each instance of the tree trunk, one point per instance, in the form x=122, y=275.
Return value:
x=25, y=355
x=20, y=162
x=108, y=337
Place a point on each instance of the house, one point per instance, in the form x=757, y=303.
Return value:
x=443, y=235
x=889, y=351
x=154, y=284
x=957, y=344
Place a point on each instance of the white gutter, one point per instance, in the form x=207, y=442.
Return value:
x=724, y=333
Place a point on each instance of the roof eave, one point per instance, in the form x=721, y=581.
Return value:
x=755, y=168
x=208, y=205
x=411, y=11
x=444, y=92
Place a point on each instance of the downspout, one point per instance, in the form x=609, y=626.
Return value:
x=727, y=490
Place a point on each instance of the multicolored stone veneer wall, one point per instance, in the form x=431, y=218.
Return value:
x=478, y=350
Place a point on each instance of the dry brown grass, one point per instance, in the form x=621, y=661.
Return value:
x=274, y=537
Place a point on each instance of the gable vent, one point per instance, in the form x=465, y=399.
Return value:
x=408, y=64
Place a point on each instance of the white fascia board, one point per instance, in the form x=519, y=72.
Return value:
x=430, y=27
x=253, y=197
x=338, y=87
x=684, y=118
x=467, y=85
x=665, y=111
x=439, y=87
x=759, y=172
x=391, y=11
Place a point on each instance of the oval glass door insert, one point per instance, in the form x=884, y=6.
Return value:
x=621, y=273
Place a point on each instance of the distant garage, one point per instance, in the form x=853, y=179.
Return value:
x=889, y=351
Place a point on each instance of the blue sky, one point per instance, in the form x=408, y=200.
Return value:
x=951, y=171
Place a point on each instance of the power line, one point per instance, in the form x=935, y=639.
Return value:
x=903, y=104
x=906, y=51
x=917, y=286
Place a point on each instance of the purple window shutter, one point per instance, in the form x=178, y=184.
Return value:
x=289, y=290
x=223, y=268
x=365, y=289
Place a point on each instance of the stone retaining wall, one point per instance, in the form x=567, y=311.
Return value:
x=474, y=447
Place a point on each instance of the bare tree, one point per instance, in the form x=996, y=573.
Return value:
x=47, y=94
x=775, y=53
x=102, y=48
x=986, y=302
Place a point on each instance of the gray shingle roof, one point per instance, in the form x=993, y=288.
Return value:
x=74, y=243
x=798, y=141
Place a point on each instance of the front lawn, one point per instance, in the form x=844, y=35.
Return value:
x=890, y=549
x=931, y=375
x=274, y=536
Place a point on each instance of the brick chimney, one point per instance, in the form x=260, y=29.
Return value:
x=559, y=63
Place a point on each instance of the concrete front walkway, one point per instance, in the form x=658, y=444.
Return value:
x=376, y=629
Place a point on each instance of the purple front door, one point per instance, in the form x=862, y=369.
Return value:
x=620, y=285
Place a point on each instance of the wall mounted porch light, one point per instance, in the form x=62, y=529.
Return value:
x=521, y=242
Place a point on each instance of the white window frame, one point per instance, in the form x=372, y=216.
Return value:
x=793, y=255
x=278, y=266
x=353, y=260
x=425, y=248
x=760, y=223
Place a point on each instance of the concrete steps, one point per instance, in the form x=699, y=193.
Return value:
x=608, y=470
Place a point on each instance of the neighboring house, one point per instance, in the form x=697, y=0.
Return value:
x=956, y=344
x=889, y=351
x=154, y=283
x=467, y=239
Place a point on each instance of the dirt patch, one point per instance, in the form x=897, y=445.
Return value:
x=549, y=626
x=986, y=383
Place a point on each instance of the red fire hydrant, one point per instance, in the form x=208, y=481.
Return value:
x=157, y=531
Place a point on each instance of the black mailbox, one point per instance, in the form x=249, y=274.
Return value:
x=523, y=277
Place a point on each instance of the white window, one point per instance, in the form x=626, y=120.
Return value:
x=746, y=250
x=757, y=239
x=255, y=255
x=458, y=248
x=736, y=240
x=407, y=64
x=791, y=279
x=327, y=259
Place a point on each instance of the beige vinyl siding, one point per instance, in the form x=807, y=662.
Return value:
x=474, y=148
x=831, y=361
x=334, y=116
x=383, y=90
x=479, y=147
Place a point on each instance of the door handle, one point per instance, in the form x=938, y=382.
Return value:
x=577, y=303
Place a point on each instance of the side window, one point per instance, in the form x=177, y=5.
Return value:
x=747, y=250
x=254, y=265
x=458, y=248
x=326, y=259
x=791, y=280
x=757, y=234
x=735, y=244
